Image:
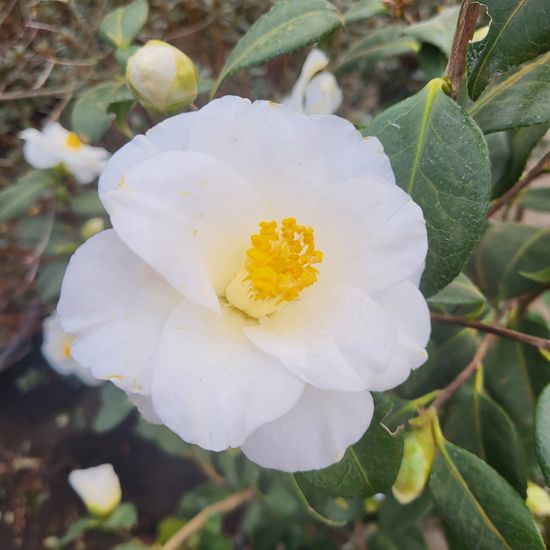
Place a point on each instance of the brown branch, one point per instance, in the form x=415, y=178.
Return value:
x=497, y=330
x=465, y=28
x=534, y=172
x=473, y=365
x=196, y=523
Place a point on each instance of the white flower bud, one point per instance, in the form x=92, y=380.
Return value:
x=162, y=77
x=98, y=487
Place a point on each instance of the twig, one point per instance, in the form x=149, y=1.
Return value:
x=528, y=339
x=222, y=507
x=534, y=172
x=465, y=28
x=454, y=386
x=43, y=92
x=207, y=469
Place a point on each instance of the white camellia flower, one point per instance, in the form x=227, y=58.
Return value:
x=54, y=145
x=260, y=280
x=315, y=92
x=98, y=487
x=56, y=348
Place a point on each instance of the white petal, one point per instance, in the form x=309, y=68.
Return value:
x=145, y=406
x=56, y=348
x=36, y=150
x=314, y=434
x=122, y=162
x=371, y=232
x=115, y=306
x=191, y=220
x=334, y=338
x=409, y=310
x=98, y=487
x=210, y=385
x=323, y=96
x=316, y=61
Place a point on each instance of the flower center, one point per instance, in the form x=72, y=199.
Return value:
x=73, y=141
x=277, y=267
x=67, y=348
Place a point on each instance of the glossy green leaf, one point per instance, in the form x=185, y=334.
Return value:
x=114, y=408
x=520, y=97
x=500, y=152
x=369, y=466
x=515, y=374
x=26, y=191
x=431, y=61
x=477, y=423
x=410, y=538
x=289, y=25
x=395, y=516
x=439, y=156
x=542, y=433
x=438, y=30
x=540, y=276
x=123, y=24
x=91, y=117
x=461, y=295
x=519, y=146
x=378, y=45
x=124, y=516
x=519, y=31
x=505, y=250
x=364, y=9
x=450, y=349
x=536, y=199
x=479, y=505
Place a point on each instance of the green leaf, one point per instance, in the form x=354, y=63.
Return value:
x=505, y=250
x=479, y=505
x=123, y=24
x=27, y=190
x=437, y=31
x=410, y=538
x=450, y=349
x=115, y=407
x=369, y=466
x=87, y=204
x=364, y=9
x=519, y=31
x=542, y=433
x=520, y=144
x=520, y=97
x=123, y=54
x=378, y=45
x=461, y=295
x=124, y=516
x=431, y=61
x=515, y=374
x=289, y=25
x=536, y=199
x=541, y=276
x=440, y=158
x=478, y=424
x=162, y=437
x=394, y=516
x=48, y=281
x=79, y=527
x=91, y=117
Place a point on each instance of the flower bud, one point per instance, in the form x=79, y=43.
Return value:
x=417, y=462
x=162, y=77
x=538, y=500
x=91, y=227
x=98, y=487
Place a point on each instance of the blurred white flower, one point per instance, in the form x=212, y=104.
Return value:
x=54, y=145
x=211, y=298
x=315, y=92
x=98, y=487
x=538, y=500
x=162, y=77
x=56, y=348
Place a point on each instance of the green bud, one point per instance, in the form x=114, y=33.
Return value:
x=417, y=462
x=162, y=77
x=91, y=227
x=538, y=500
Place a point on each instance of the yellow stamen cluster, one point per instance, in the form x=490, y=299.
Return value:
x=281, y=261
x=73, y=141
x=67, y=348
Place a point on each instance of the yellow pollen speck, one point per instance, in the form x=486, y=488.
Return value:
x=121, y=183
x=73, y=141
x=66, y=352
x=278, y=266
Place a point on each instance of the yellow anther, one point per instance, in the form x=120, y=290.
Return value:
x=67, y=348
x=278, y=266
x=73, y=141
